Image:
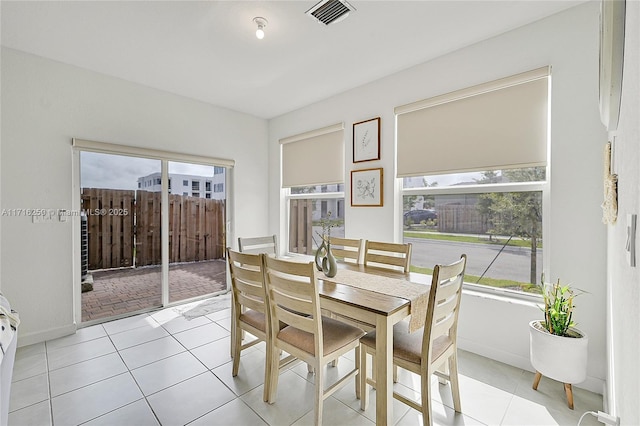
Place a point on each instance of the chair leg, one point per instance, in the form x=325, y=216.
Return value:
x=274, y=372
x=237, y=342
x=455, y=383
x=569, y=391
x=319, y=397
x=310, y=369
x=536, y=380
x=425, y=395
x=364, y=389
x=358, y=373
x=446, y=372
x=395, y=374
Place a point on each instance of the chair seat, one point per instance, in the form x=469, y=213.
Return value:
x=408, y=346
x=256, y=319
x=335, y=335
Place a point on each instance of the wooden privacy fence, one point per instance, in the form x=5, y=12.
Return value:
x=300, y=228
x=123, y=224
x=462, y=219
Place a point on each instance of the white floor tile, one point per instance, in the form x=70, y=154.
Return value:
x=234, y=413
x=216, y=316
x=67, y=355
x=441, y=415
x=189, y=400
x=138, y=413
x=138, y=335
x=180, y=323
x=81, y=335
x=155, y=350
x=129, y=323
x=92, y=401
x=29, y=366
x=201, y=335
x=37, y=414
x=524, y=412
x=36, y=348
x=335, y=413
x=29, y=391
x=167, y=372
x=347, y=396
x=216, y=353
x=294, y=399
x=85, y=373
x=225, y=323
x=250, y=373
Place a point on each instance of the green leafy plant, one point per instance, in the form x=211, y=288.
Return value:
x=558, y=308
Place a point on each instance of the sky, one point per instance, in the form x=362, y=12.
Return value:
x=122, y=172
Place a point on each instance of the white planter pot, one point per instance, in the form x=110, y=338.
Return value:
x=560, y=358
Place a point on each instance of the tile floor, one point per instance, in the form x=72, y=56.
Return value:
x=161, y=368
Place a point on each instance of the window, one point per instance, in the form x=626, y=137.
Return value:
x=195, y=194
x=139, y=184
x=208, y=195
x=185, y=182
x=218, y=187
x=158, y=181
x=207, y=185
x=314, y=203
x=169, y=184
x=195, y=185
x=218, y=170
x=487, y=200
x=185, y=193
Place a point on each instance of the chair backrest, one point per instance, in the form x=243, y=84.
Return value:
x=292, y=292
x=346, y=249
x=388, y=255
x=256, y=245
x=247, y=281
x=444, y=304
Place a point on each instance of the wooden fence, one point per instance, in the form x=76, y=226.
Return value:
x=462, y=219
x=123, y=224
x=300, y=228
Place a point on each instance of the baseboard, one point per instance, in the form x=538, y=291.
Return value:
x=41, y=336
x=591, y=384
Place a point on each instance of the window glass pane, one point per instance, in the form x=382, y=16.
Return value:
x=501, y=233
x=529, y=174
x=337, y=187
x=305, y=217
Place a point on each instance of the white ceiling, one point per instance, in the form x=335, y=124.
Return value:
x=207, y=50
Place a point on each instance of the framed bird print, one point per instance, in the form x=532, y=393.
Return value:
x=366, y=140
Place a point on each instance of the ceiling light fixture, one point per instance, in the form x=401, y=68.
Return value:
x=261, y=23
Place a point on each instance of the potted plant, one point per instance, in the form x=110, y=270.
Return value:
x=558, y=350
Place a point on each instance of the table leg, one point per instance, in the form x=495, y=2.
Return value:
x=384, y=371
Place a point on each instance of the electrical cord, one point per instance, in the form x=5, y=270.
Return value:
x=593, y=413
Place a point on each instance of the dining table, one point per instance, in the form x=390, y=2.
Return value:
x=381, y=304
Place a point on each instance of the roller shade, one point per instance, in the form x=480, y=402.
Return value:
x=491, y=126
x=313, y=158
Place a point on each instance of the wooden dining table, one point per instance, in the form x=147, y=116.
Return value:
x=380, y=310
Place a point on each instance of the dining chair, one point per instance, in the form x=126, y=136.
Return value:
x=388, y=255
x=293, y=299
x=249, y=307
x=256, y=245
x=432, y=350
x=346, y=249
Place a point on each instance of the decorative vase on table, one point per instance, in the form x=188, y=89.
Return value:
x=329, y=265
x=321, y=252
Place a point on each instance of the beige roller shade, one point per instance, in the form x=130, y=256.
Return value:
x=314, y=158
x=495, y=125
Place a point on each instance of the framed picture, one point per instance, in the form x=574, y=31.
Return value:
x=366, y=188
x=366, y=140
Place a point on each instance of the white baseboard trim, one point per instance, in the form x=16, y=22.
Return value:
x=41, y=336
x=592, y=384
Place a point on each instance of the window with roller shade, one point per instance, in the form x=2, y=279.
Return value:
x=313, y=174
x=474, y=169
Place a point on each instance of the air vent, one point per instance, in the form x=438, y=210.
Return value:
x=330, y=11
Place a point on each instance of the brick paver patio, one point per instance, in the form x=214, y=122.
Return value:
x=121, y=291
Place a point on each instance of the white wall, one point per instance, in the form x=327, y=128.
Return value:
x=44, y=105
x=577, y=245
x=623, y=282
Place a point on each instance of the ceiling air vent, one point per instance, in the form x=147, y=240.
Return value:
x=330, y=11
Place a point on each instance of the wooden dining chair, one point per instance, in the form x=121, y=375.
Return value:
x=388, y=255
x=256, y=245
x=431, y=350
x=292, y=298
x=249, y=307
x=346, y=249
